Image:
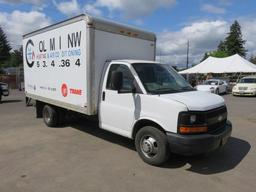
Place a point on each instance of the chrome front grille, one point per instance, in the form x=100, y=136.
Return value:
x=216, y=118
x=242, y=88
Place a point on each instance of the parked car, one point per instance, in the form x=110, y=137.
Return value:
x=216, y=86
x=245, y=86
x=4, y=90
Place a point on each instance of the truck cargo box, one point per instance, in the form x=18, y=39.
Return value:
x=63, y=63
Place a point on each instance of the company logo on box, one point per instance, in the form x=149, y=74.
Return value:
x=30, y=54
x=64, y=90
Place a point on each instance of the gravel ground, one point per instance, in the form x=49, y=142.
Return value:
x=81, y=157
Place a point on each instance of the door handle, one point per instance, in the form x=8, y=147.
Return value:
x=103, y=95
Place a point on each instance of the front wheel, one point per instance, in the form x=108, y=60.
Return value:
x=152, y=145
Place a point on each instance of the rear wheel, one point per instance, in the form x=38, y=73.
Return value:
x=152, y=145
x=50, y=116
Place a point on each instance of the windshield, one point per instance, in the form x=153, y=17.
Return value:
x=211, y=82
x=248, y=80
x=161, y=79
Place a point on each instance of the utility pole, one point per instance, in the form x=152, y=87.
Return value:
x=187, y=58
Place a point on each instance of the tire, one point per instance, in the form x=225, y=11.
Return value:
x=50, y=116
x=152, y=145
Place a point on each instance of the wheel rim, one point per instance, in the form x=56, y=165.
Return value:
x=47, y=116
x=149, y=146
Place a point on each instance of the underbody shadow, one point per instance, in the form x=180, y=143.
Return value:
x=92, y=127
x=222, y=160
x=11, y=101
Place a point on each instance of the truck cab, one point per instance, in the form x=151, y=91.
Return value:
x=152, y=104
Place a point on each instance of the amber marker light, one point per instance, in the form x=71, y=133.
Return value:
x=191, y=130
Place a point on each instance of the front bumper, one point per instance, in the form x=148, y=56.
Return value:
x=199, y=144
x=246, y=93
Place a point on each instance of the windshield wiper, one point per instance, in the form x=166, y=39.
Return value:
x=187, y=88
x=164, y=90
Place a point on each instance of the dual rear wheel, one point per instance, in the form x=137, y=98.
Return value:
x=53, y=116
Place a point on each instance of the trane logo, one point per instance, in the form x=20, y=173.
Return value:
x=76, y=91
x=65, y=90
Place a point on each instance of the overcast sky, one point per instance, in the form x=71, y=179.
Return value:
x=203, y=22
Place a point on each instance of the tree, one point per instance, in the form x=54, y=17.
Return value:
x=234, y=41
x=253, y=59
x=15, y=59
x=218, y=54
x=206, y=55
x=4, y=47
x=222, y=46
x=19, y=56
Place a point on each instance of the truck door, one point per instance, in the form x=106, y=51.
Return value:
x=117, y=110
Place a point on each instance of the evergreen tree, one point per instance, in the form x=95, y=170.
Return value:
x=222, y=46
x=253, y=59
x=4, y=47
x=234, y=41
x=15, y=59
x=19, y=56
x=219, y=54
x=206, y=55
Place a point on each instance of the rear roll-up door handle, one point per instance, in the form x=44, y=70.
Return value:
x=103, y=96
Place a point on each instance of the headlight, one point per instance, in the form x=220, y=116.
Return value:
x=190, y=123
x=234, y=88
x=253, y=89
x=212, y=89
x=192, y=119
x=4, y=86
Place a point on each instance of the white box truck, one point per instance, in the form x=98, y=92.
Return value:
x=104, y=69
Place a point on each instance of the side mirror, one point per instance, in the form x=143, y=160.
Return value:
x=117, y=80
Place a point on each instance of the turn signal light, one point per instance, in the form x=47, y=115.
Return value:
x=189, y=130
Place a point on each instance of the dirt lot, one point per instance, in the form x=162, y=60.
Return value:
x=81, y=157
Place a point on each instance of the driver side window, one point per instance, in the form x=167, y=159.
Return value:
x=128, y=78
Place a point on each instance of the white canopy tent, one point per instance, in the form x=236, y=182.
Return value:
x=232, y=64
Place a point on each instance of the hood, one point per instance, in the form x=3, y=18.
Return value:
x=197, y=100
